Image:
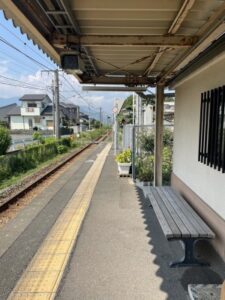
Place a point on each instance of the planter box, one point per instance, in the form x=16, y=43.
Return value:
x=124, y=168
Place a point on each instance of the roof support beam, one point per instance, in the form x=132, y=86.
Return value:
x=129, y=81
x=61, y=40
x=211, y=30
x=182, y=13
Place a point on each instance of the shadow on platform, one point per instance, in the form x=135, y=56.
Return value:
x=176, y=280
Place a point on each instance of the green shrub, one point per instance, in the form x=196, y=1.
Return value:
x=5, y=140
x=124, y=157
x=147, y=142
x=167, y=138
x=62, y=149
x=74, y=144
x=145, y=168
x=167, y=165
x=37, y=136
x=65, y=142
x=26, y=159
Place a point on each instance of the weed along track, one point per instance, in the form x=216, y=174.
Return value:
x=34, y=184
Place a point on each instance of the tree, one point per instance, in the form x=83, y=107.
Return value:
x=5, y=140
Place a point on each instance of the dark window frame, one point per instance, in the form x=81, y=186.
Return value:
x=212, y=129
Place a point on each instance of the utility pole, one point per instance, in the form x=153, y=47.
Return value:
x=55, y=110
x=56, y=102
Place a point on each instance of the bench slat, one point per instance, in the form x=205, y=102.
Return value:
x=204, y=230
x=175, y=213
x=176, y=233
x=182, y=213
x=162, y=221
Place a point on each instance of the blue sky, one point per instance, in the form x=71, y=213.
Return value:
x=16, y=66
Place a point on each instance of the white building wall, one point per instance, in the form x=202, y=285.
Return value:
x=206, y=182
x=22, y=122
x=19, y=122
x=148, y=114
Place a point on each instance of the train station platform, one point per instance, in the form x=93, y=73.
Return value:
x=117, y=249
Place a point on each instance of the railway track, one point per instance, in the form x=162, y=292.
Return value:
x=6, y=202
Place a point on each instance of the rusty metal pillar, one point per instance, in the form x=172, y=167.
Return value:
x=159, y=135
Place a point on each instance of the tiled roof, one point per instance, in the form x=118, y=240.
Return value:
x=33, y=97
x=4, y=110
x=15, y=111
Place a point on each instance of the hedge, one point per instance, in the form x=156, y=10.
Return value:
x=26, y=159
x=29, y=158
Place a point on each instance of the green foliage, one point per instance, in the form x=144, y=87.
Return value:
x=167, y=165
x=167, y=138
x=4, y=124
x=124, y=157
x=74, y=144
x=146, y=141
x=26, y=159
x=62, y=149
x=37, y=136
x=145, y=168
x=5, y=140
x=145, y=163
x=65, y=142
x=14, y=164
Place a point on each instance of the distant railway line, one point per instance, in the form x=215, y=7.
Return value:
x=5, y=202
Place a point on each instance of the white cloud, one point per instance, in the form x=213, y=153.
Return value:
x=44, y=80
x=35, y=81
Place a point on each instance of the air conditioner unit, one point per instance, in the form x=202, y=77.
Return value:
x=72, y=63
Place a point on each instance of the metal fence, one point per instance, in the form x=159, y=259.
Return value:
x=141, y=139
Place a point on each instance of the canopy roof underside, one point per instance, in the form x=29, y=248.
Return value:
x=132, y=42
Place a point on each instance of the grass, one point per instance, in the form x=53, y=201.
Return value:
x=20, y=177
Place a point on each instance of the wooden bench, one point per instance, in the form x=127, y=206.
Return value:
x=179, y=222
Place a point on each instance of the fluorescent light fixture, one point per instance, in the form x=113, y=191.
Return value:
x=113, y=88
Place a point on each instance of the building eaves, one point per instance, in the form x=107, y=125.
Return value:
x=33, y=97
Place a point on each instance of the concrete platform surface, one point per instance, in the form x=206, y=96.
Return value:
x=121, y=252
x=21, y=237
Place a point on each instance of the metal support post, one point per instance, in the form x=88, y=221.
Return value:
x=133, y=153
x=159, y=135
x=189, y=259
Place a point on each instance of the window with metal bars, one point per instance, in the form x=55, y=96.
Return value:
x=212, y=129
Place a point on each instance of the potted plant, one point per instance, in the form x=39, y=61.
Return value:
x=123, y=160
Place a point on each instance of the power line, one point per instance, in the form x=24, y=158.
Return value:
x=24, y=87
x=20, y=64
x=79, y=94
x=23, y=82
x=25, y=44
x=23, y=53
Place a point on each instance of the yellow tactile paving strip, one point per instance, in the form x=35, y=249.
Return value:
x=42, y=277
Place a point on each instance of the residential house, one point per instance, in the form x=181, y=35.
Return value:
x=36, y=110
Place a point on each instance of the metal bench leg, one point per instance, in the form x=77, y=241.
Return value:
x=189, y=259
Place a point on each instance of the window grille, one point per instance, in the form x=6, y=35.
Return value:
x=212, y=129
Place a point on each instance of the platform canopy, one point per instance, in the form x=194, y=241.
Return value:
x=131, y=42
